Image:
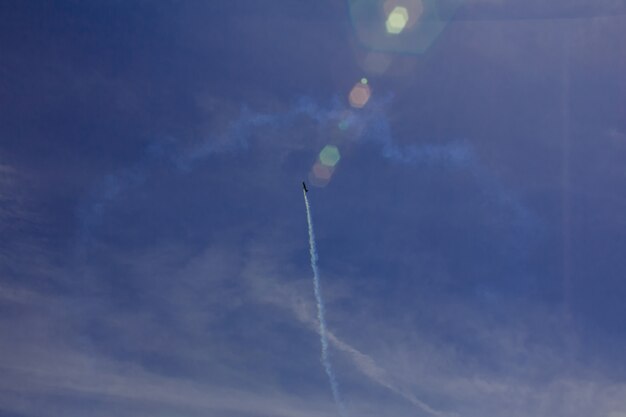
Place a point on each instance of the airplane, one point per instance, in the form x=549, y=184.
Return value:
x=304, y=187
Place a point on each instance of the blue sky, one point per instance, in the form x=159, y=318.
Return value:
x=154, y=252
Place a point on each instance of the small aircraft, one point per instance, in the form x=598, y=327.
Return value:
x=304, y=187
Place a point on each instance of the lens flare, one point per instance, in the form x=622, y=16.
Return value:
x=404, y=13
x=397, y=20
x=329, y=156
x=359, y=95
x=322, y=172
x=400, y=25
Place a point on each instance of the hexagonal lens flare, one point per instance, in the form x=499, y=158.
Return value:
x=397, y=20
x=359, y=95
x=329, y=156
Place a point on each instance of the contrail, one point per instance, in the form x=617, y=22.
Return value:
x=320, y=312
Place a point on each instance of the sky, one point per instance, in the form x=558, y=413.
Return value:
x=465, y=166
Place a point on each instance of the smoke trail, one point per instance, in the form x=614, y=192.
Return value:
x=320, y=312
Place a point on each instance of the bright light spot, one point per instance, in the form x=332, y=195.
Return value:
x=413, y=11
x=364, y=80
x=392, y=26
x=329, y=156
x=359, y=95
x=397, y=20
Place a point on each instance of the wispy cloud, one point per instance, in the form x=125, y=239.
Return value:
x=51, y=362
x=508, y=374
x=61, y=375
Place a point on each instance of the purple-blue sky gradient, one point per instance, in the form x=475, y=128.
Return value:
x=471, y=236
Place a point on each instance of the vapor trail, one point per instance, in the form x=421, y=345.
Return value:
x=320, y=312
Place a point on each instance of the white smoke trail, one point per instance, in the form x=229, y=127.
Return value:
x=320, y=312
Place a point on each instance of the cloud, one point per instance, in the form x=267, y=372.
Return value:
x=264, y=281
x=525, y=363
x=23, y=227
x=188, y=302
x=190, y=295
x=305, y=126
x=59, y=375
x=57, y=361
